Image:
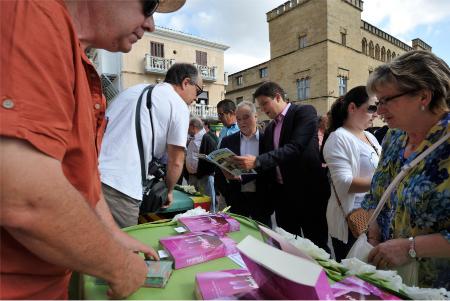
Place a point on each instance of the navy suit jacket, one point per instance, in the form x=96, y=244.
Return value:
x=297, y=157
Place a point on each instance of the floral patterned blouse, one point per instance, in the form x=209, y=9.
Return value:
x=421, y=203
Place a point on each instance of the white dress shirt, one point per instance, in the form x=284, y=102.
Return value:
x=192, y=152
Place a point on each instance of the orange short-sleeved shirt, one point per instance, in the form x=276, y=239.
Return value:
x=50, y=96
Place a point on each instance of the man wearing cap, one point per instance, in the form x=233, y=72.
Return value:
x=53, y=216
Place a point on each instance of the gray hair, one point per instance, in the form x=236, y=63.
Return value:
x=248, y=104
x=179, y=72
x=414, y=71
x=196, y=122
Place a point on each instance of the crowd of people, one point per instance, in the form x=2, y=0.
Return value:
x=71, y=169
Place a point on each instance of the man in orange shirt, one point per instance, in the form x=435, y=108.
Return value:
x=53, y=216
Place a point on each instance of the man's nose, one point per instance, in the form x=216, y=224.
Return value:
x=149, y=24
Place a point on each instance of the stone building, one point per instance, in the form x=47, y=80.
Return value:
x=319, y=49
x=153, y=55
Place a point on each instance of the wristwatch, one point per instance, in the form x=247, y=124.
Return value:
x=412, y=248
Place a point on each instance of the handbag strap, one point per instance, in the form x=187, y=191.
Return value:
x=337, y=198
x=138, y=129
x=371, y=144
x=404, y=170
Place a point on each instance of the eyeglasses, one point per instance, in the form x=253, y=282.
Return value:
x=372, y=109
x=149, y=7
x=220, y=115
x=384, y=101
x=199, y=89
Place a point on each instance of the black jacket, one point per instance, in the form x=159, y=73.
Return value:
x=206, y=146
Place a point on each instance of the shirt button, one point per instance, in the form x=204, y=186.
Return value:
x=97, y=106
x=8, y=104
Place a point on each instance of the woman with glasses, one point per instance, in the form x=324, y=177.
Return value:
x=413, y=92
x=351, y=154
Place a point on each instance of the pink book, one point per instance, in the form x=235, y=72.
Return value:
x=284, y=276
x=228, y=284
x=216, y=223
x=353, y=288
x=193, y=248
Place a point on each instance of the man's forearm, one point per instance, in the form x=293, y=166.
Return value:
x=46, y=214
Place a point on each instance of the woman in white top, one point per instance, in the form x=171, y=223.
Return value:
x=352, y=155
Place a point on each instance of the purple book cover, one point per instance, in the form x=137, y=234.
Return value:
x=353, y=288
x=216, y=223
x=283, y=276
x=193, y=248
x=228, y=284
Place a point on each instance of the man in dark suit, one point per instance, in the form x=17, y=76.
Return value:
x=245, y=193
x=290, y=163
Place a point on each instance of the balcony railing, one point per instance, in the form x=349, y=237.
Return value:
x=155, y=64
x=208, y=73
x=203, y=111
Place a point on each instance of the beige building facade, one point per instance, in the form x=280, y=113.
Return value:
x=319, y=49
x=155, y=53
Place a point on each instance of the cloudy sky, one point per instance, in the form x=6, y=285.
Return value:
x=241, y=24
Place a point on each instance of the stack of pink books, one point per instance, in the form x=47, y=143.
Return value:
x=218, y=223
x=193, y=248
x=228, y=284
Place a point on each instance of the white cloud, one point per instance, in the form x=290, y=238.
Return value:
x=403, y=16
x=242, y=25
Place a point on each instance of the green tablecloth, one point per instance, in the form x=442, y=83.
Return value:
x=181, y=202
x=181, y=283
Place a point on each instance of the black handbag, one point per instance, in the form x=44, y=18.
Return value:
x=154, y=190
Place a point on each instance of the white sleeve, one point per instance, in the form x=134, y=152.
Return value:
x=178, y=126
x=338, y=157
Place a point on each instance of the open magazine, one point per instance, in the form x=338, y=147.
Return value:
x=221, y=158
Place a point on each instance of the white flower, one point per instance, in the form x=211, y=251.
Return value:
x=356, y=266
x=417, y=293
x=193, y=212
x=304, y=244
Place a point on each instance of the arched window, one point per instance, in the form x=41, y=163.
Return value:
x=383, y=54
x=388, y=56
x=393, y=55
x=377, y=52
x=371, y=52
x=364, y=46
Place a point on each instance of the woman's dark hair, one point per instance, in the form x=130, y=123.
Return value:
x=339, y=109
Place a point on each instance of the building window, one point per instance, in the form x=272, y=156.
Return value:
x=263, y=72
x=302, y=42
x=239, y=99
x=156, y=49
x=393, y=55
x=342, y=84
x=377, y=52
x=388, y=56
x=371, y=49
x=239, y=80
x=201, y=58
x=383, y=54
x=343, y=38
x=364, y=46
x=303, y=88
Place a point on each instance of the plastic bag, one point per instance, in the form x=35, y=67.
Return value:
x=409, y=273
x=360, y=249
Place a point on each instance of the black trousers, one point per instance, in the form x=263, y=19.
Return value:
x=250, y=205
x=340, y=248
x=297, y=213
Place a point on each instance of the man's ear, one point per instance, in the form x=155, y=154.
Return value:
x=185, y=82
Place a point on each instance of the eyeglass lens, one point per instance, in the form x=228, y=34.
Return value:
x=150, y=6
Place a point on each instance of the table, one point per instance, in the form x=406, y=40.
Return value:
x=182, y=282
